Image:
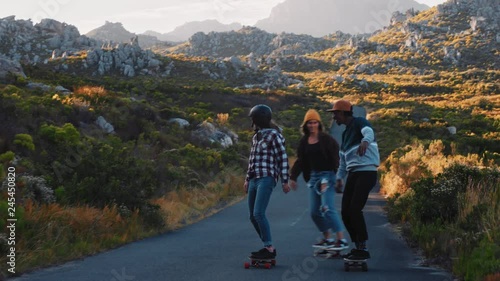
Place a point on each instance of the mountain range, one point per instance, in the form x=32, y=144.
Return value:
x=183, y=32
x=115, y=32
x=322, y=17
x=455, y=34
x=315, y=17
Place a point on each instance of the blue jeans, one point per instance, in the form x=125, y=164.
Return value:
x=259, y=193
x=323, y=212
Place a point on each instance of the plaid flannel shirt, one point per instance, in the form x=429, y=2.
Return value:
x=268, y=156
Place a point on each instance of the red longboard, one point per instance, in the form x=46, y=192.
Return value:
x=266, y=263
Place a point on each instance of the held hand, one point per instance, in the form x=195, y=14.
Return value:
x=362, y=148
x=339, y=186
x=293, y=185
x=245, y=187
x=286, y=188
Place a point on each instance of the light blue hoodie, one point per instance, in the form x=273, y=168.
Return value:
x=358, y=130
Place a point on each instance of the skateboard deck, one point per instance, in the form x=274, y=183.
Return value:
x=348, y=264
x=327, y=252
x=266, y=263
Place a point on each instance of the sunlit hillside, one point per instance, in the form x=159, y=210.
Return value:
x=129, y=133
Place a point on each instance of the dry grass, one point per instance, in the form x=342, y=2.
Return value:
x=418, y=162
x=486, y=194
x=190, y=204
x=91, y=91
x=493, y=277
x=50, y=233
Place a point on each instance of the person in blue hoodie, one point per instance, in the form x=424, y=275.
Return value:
x=359, y=160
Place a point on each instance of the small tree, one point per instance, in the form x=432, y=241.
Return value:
x=24, y=140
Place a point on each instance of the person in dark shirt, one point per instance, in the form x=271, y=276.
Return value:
x=318, y=161
x=268, y=162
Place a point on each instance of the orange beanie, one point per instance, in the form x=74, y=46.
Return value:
x=311, y=114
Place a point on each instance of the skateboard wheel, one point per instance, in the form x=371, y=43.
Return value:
x=273, y=262
x=267, y=265
x=364, y=267
x=346, y=267
x=247, y=265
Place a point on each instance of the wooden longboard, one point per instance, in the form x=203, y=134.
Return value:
x=348, y=263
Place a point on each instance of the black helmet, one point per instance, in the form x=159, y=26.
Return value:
x=261, y=115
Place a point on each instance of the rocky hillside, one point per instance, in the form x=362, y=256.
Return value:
x=59, y=47
x=323, y=17
x=250, y=40
x=20, y=40
x=464, y=34
x=457, y=33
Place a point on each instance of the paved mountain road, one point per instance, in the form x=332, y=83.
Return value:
x=217, y=247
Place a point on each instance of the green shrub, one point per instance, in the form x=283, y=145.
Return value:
x=109, y=174
x=437, y=198
x=24, y=140
x=151, y=215
x=432, y=237
x=399, y=207
x=67, y=134
x=483, y=260
x=7, y=156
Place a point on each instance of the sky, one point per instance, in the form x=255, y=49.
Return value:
x=139, y=16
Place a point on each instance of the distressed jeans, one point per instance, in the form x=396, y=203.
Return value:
x=259, y=194
x=323, y=212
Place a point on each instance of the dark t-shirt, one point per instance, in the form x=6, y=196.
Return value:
x=317, y=160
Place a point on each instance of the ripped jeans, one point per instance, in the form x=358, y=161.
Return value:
x=322, y=203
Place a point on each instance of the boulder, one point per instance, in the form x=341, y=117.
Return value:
x=103, y=124
x=183, y=123
x=10, y=67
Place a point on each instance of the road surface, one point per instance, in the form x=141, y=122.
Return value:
x=217, y=248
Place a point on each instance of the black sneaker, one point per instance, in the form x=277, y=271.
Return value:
x=324, y=244
x=264, y=254
x=349, y=254
x=357, y=254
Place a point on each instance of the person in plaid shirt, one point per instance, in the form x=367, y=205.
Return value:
x=268, y=162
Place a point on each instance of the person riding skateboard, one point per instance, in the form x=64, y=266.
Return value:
x=318, y=161
x=268, y=162
x=359, y=160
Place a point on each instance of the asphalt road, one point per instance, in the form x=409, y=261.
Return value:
x=217, y=248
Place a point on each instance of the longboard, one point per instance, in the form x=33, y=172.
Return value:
x=327, y=252
x=266, y=263
x=348, y=263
